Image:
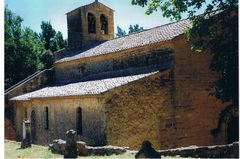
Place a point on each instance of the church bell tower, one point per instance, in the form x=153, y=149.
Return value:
x=89, y=24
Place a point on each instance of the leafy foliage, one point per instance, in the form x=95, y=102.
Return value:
x=12, y=34
x=120, y=32
x=175, y=8
x=47, y=34
x=134, y=29
x=58, y=42
x=222, y=41
x=25, y=50
x=216, y=31
x=47, y=58
x=53, y=41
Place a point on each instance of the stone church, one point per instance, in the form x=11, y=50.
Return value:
x=121, y=91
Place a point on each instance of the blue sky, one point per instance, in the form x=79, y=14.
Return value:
x=35, y=11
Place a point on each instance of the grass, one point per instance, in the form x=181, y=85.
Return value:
x=12, y=150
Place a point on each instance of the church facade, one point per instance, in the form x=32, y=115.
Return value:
x=122, y=91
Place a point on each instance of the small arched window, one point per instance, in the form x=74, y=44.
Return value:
x=79, y=121
x=33, y=125
x=104, y=24
x=25, y=113
x=46, y=119
x=91, y=23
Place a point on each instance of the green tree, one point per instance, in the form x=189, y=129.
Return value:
x=25, y=50
x=53, y=41
x=31, y=49
x=22, y=49
x=58, y=42
x=216, y=30
x=12, y=34
x=47, y=34
x=134, y=29
x=120, y=32
x=47, y=58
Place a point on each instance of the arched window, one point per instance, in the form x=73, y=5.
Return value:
x=46, y=119
x=91, y=23
x=25, y=113
x=104, y=24
x=79, y=121
x=33, y=125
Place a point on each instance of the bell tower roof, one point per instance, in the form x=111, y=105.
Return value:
x=88, y=5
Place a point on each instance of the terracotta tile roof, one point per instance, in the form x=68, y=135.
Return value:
x=150, y=36
x=82, y=88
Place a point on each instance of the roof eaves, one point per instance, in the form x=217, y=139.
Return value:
x=57, y=97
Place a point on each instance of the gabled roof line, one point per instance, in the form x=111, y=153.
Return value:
x=150, y=28
x=84, y=88
x=154, y=35
x=87, y=6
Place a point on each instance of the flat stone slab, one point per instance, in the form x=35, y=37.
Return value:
x=106, y=150
x=58, y=147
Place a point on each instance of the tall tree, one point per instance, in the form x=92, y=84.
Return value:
x=47, y=34
x=25, y=50
x=58, y=42
x=53, y=41
x=120, y=32
x=134, y=29
x=22, y=49
x=47, y=58
x=12, y=34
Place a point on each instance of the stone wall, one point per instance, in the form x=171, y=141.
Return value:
x=194, y=113
x=170, y=109
x=37, y=81
x=152, y=55
x=62, y=114
x=216, y=151
x=9, y=132
x=58, y=147
x=133, y=112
